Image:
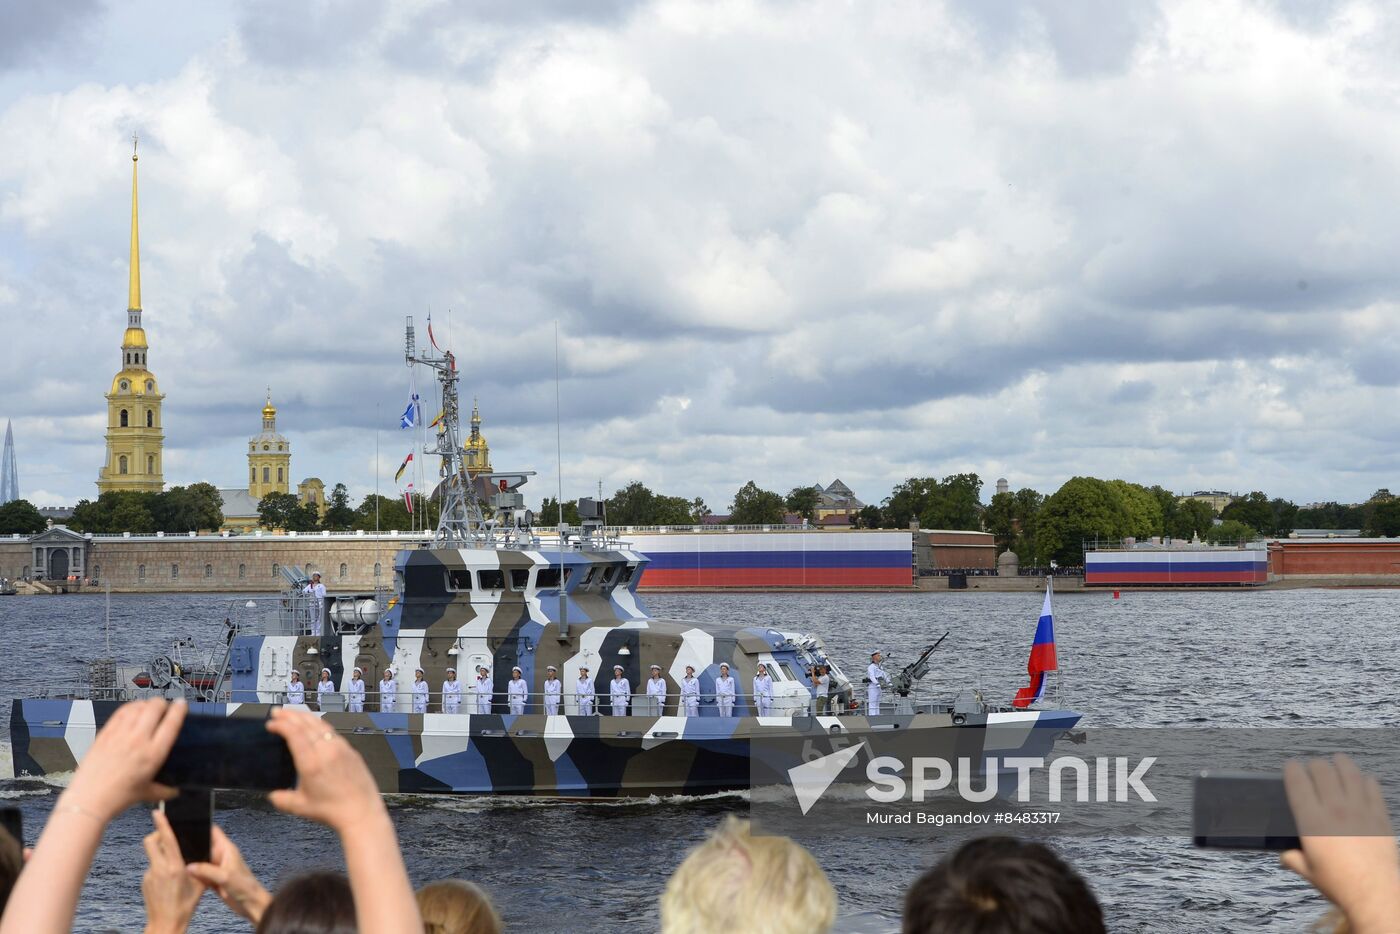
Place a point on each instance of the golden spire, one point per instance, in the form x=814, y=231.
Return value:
x=133, y=300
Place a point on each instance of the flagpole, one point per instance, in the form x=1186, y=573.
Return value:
x=376, y=469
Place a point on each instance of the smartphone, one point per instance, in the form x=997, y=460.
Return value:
x=228, y=752
x=191, y=814
x=12, y=819
x=1238, y=811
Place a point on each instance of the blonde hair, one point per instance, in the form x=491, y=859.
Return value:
x=735, y=878
x=454, y=906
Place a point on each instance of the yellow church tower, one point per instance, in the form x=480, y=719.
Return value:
x=269, y=457
x=476, y=453
x=134, y=435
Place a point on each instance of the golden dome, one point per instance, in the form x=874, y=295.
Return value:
x=137, y=383
x=134, y=338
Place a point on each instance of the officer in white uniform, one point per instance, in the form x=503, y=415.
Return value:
x=585, y=693
x=318, y=598
x=516, y=692
x=763, y=691
x=656, y=691
x=620, y=690
x=355, y=692
x=553, y=691
x=296, y=691
x=877, y=677
x=724, y=692
x=420, y=692
x=451, y=693
x=324, y=687
x=388, y=692
x=483, y=689
x=690, y=693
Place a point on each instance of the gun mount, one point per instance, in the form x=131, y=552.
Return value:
x=903, y=680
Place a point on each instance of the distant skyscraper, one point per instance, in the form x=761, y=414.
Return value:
x=9, y=471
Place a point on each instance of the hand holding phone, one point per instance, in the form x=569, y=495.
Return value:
x=169, y=891
x=1239, y=811
x=191, y=817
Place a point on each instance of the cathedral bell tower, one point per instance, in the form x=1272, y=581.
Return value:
x=269, y=457
x=134, y=435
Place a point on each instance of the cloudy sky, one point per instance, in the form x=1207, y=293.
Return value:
x=781, y=241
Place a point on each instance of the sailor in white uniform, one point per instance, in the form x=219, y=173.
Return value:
x=355, y=692
x=388, y=692
x=656, y=691
x=420, y=692
x=324, y=687
x=690, y=693
x=583, y=690
x=763, y=691
x=451, y=693
x=553, y=691
x=620, y=690
x=483, y=689
x=318, y=598
x=516, y=692
x=724, y=692
x=296, y=691
x=878, y=678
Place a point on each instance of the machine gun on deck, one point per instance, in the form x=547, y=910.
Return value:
x=903, y=681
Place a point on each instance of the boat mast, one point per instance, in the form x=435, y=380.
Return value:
x=460, y=523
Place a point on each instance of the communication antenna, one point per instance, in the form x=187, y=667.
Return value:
x=559, y=476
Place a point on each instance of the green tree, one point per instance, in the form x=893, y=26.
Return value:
x=1083, y=509
x=339, y=514
x=548, y=516
x=756, y=506
x=1229, y=531
x=803, y=501
x=20, y=516
x=956, y=503
x=698, y=511
x=908, y=501
x=1142, y=511
x=1384, y=520
x=634, y=504
x=285, y=511
x=392, y=514
x=671, y=510
x=1332, y=516
x=197, y=507
x=870, y=517
x=999, y=518
x=1192, y=517
x=129, y=514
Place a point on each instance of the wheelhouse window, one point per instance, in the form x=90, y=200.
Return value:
x=459, y=579
x=520, y=579
x=548, y=578
x=494, y=579
x=609, y=573
x=629, y=572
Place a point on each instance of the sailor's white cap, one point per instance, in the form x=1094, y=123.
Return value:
x=315, y=573
x=617, y=668
x=550, y=668
x=515, y=668
x=655, y=667
x=325, y=671
x=451, y=669
x=357, y=670
x=724, y=664
x=418, y=671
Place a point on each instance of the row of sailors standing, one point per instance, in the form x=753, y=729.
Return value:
x=518, y=692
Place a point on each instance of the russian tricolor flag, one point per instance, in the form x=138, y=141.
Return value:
x=1042, y=656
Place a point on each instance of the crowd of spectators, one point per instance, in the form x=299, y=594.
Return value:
x=736, y=880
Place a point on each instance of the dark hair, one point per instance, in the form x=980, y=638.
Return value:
x=11, y=862
x=1001, y=885
x=311, y=903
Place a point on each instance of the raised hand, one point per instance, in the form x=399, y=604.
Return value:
x=231, y=879
x=118, y=769
x=334, y=786
x=1349, y=852
x=170, y=893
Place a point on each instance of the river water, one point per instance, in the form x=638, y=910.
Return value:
x=1226, y=658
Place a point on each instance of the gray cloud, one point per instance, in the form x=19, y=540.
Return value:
x=32, y=33
x=781, y=242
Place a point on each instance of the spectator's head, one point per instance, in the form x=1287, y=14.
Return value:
x=457, y=907
x=1001, y=885
x=734, y=877
x=312, y=903
x=11, y=862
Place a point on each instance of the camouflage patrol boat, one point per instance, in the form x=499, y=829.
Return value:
x=493, y=591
